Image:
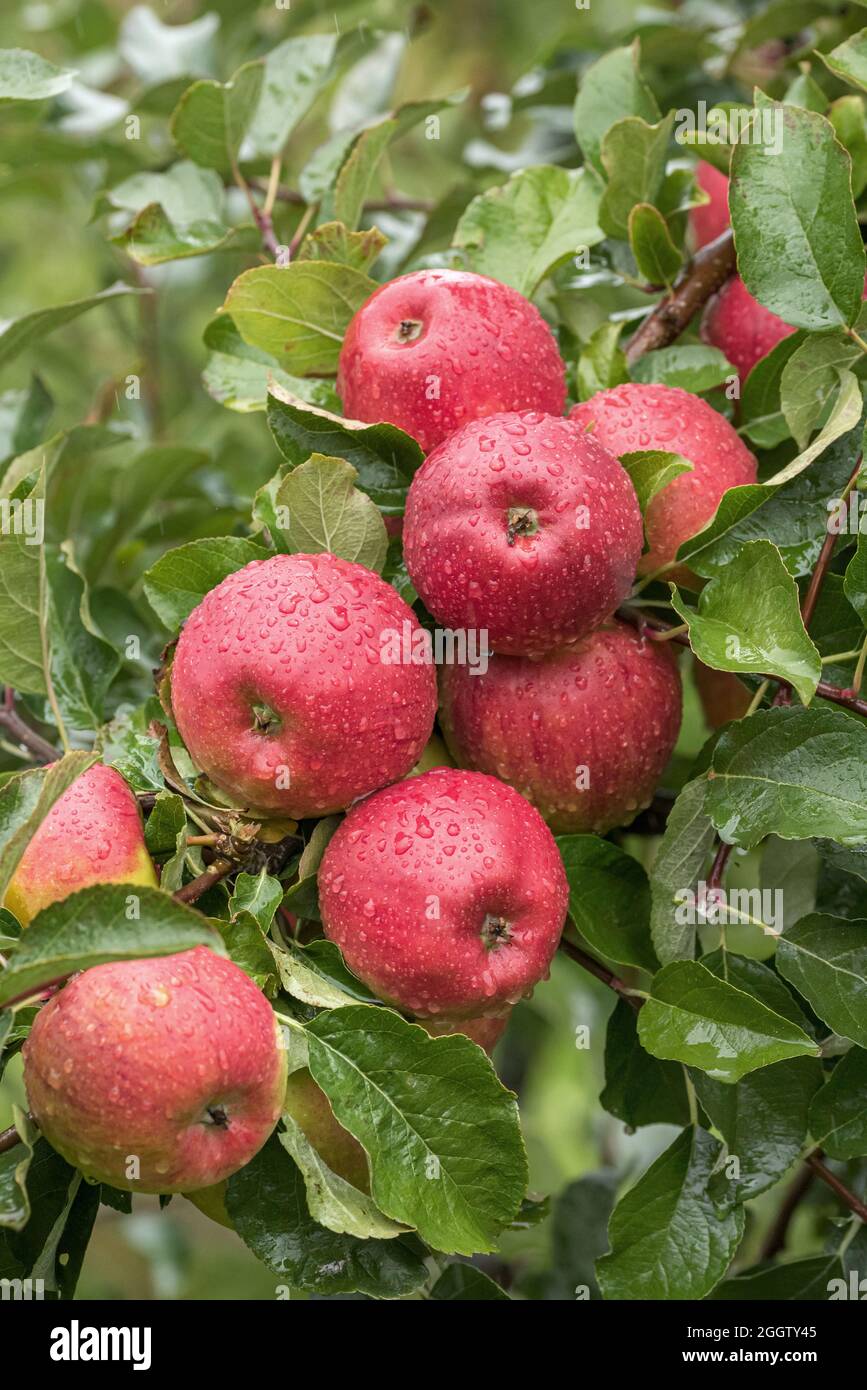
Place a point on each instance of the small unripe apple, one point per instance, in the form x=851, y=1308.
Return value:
x=436, y=348
x=281, y=691
x=711, y=219
x=446, y=894
x=584, y=733
x=524, y=527
x=159, y=1075
x=92, y=834
x=311, y=1109
x=723, y=697
x=635, y=417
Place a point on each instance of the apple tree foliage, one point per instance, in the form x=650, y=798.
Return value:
x=225, y=193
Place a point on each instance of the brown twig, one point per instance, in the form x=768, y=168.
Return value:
x=708, y=270
x=718, y=868
x=775, y=1240
x=22, y=733
x=197, y=887
x=594, y=967
x=853, y=1202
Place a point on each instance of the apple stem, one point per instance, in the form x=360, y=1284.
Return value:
x=192, y=891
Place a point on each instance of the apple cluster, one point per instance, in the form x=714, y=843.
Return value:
x=443, y=885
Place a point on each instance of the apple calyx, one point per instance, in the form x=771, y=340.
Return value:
x=408, y=330
x=266, y=720
x=521, y=521
x=496, y=931
x=216, y=1115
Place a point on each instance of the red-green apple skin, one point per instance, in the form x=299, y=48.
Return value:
x=92, y=834
x=281, y=693
x=484, y=1032
x=311, y=1109
x=446, y=894
x=525, y=527
x=711, y=219
x=176, y=1062
x=211, y=1201
x=634, y=417
x=436, y=348
x=723, y=697
x=584, y=733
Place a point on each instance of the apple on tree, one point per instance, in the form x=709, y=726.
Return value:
x=280, y=693
x=446, y=894
x=434, y=349
x=157, y=1075
x=634, y=417
x=92, y=834
x=525, y=527
x=584, y=733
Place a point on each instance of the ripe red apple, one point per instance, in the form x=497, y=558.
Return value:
x=584, y=733
x=281, y=692
x=634, y=417
x=485, y=1032
x=446, y=894
x=523, y=526
x=92, y=834
x=742, y=328
x=711, y=219
x=436, y=348
x=159, y=1075
x=723, y=697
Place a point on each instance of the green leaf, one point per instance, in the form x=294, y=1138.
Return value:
x=27, y=329
x=691, y=366
x=640, y=1089
x=295, y=73
x=610, y=89
x=519, y=232
x=317, y=975
x=460, y=1283
x=179, y=580
x=441, y=1131
x=793, y=1281
x=799, y=245
x=845, y=416
x=302, y=897
x=792, y=772
x=25, y=801
x=763, y=421
x=579, y=1235
x=657, y=257
x=23, y=417
x=749, y=619
x=298, y=313
x=260, y=895
x=331, y=1200
x=634, y=155
x=238, y=376
x=855, y=581
x=178, y=213
x=838, y=1115
x=650, y=470
x=25, y=76
x=668, y=1241
x=385, y=458
x=847, y=116
x=682, y=855
x=211, y=119
x=849, y=60
x=602, y=363
x=809, y=379
x=695, y=1018
x=825, y=958
x=609, y=899
x=100, y=924
x=332, y=241
x=763, y=1120
x=322, y=510
x=14, y=1203
x=358, y=169
x=267, y=1205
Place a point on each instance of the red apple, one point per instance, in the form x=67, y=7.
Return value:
x=524, y=527
x=585, y=733
x=92, y=834
x=634, y=417
x=711, y=219
x=157, y=1075
x=436, y=348
x=742, y=328
x=723, y=697
x=281, y=691
x=446, y=894
x=485, y=1032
